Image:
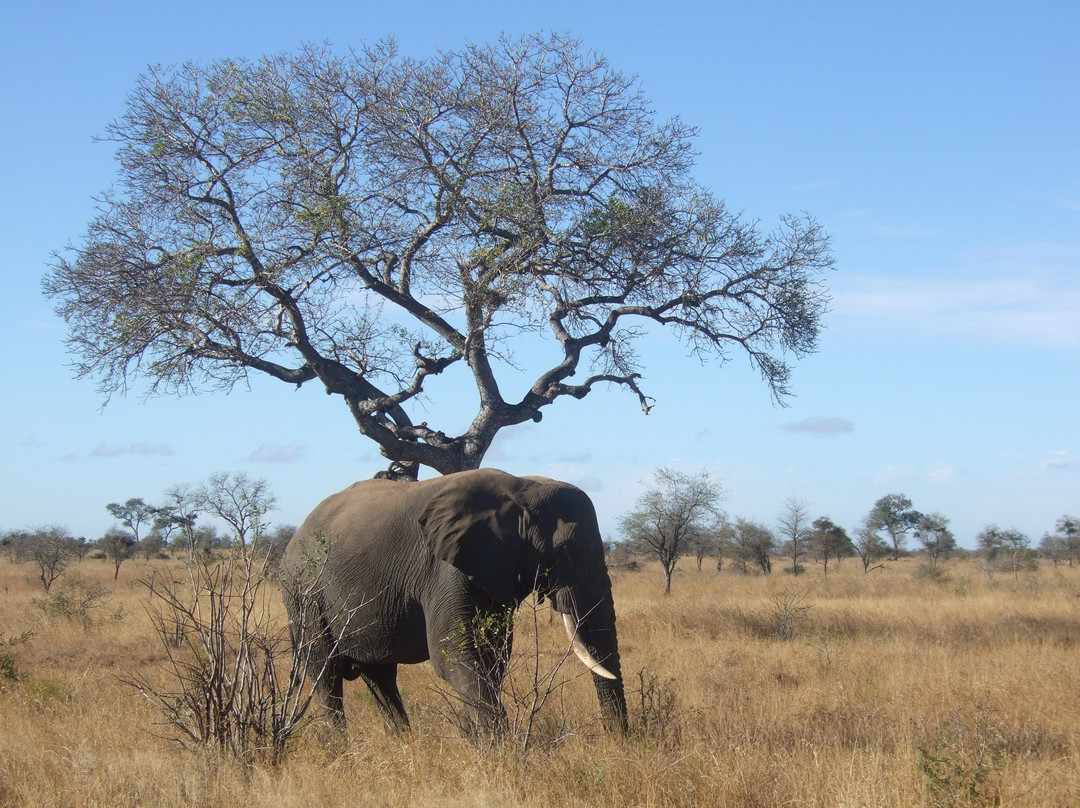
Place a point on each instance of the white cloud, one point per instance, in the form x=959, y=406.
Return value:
x=939, y=472
x=273, y=453
x=137, y=448
x=822, y=426
x=903, y=232
x=1058, y=460
x=574, y=457
x=1027, y=293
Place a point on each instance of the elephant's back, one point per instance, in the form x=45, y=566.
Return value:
x=370, y=508
x=373, y=516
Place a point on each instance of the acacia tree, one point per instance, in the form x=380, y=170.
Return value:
x=932, y=532
x=118, y=546
x=793, y=527
x=671, y=515
x=1068, y=531
x=240, y=502
x=51, y=548
x=1010, y=549
x=893, y=514
x=180, y=513
x=370, y=221
x=752, y=545
x=829, y=541
x=869, y=545
x=132, y=514
x=710, y=543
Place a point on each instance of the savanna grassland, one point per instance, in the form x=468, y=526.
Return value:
x=888, y=689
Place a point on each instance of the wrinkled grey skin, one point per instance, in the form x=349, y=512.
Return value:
x=404, y=572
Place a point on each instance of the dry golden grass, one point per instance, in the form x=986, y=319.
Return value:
x=888, y=690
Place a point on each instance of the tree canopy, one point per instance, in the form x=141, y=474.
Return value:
x=752, y=546
x=793, y=528
x=932, y=532
x=893, y=514
x=132, y=514
x=673, y=513
x=368, y=220
x=829, y=541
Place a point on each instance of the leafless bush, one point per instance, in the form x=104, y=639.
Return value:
x=535, y=684
x=660, y=721
x=526, y=681
x=787, y=612
x=779, y=619
x=235, y=684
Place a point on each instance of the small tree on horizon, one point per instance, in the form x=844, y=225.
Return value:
x=869, y=545
x=240, y=502
x=671, y=515
x=152, y=545
x=793, y=529
x=1067, y=530
x=1052, y=548
x=132, y=514
x=709, y=543
x=16, y=544
x=752, y=546
x=829, y=541
x=118, y=546
x=893, y=514
x=932, y=532
x=180, y=513
x=51, y=549
x=1005, y=549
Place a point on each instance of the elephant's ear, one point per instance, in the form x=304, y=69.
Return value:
x=479, y=531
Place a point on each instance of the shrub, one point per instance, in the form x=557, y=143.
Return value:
x=961, y=763
x=660, y=718
x=72, y=599
x=931, y=573
x=238, y=686
x=9, y=668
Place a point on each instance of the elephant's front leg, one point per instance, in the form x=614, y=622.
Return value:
x=473, y=655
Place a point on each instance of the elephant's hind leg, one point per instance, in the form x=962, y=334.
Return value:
x=314, y=644
x=382, y=681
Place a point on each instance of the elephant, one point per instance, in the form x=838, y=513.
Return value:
x=391, y=572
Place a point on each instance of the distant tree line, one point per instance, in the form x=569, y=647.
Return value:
x=153, y=531
x=679, y=515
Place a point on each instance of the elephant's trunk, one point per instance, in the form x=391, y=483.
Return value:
x=591, y=621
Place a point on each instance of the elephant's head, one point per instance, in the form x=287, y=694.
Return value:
x=514, y=535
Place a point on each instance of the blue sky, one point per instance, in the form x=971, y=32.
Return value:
x=938, y=143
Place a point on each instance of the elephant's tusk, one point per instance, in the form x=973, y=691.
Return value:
x=582, y=652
